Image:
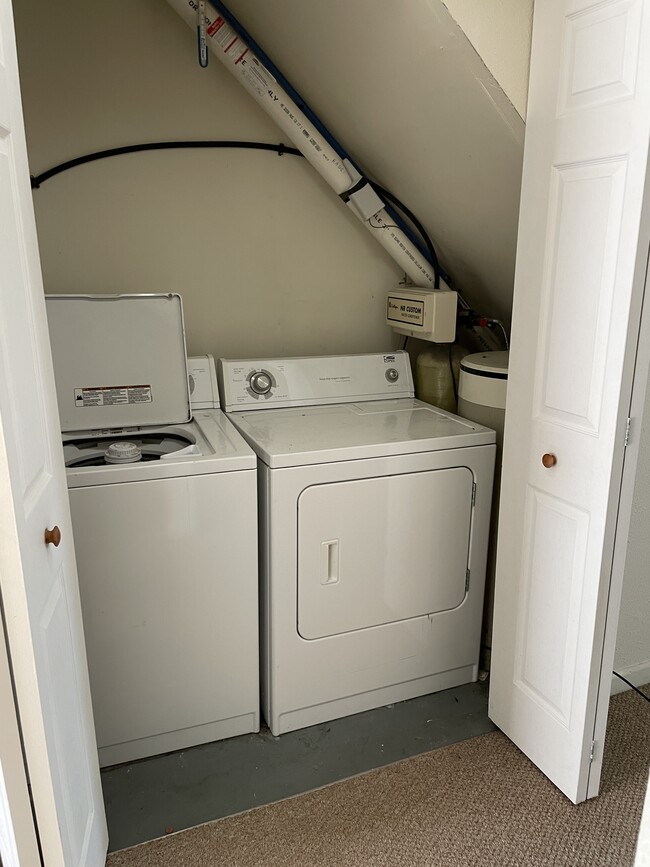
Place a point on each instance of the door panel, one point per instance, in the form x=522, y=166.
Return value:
x=38, y=582
x=577, y=291
x=380, y=550
x=550, y=602
x=64, y=707
x=601, y=47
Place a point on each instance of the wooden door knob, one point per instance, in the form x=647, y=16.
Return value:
x=549, y=460
x=53, y=537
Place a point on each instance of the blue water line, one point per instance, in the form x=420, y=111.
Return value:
x=227, y=15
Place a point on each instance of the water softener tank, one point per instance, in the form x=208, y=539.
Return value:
x=482, y=398
x=436, y=374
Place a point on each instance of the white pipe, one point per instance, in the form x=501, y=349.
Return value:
x=237, y=57
x=398, y=245
x=227, y=46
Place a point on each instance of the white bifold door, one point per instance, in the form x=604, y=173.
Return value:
x=581, y=260
x=38, y=580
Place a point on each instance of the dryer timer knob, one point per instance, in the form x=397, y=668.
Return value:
x=260, y=382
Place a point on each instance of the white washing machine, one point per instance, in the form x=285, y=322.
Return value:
x=374, y=517
x=164, y=511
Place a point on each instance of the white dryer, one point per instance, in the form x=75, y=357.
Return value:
x=160, y=503
x=374, y=517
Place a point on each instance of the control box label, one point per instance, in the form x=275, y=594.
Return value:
x=112, y=395
x=408, y=310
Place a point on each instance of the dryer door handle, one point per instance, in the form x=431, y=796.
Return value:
x=329, y=562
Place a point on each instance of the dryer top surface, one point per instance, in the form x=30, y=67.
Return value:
x=352, y=431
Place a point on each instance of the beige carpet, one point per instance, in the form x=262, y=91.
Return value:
x=480, y=802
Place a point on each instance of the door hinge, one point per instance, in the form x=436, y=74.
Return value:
x=592, y=751
x=466, y=580
x=473, y=493
x=627, y=432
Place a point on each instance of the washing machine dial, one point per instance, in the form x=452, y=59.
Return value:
x=260, y=382
x=392, y=375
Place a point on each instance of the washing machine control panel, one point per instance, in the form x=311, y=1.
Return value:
x=277, y=382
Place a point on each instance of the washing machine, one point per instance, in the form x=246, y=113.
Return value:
x=374, y=518
x=164, y=516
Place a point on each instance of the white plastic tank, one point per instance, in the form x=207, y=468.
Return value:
x=482, y=398
x=482, y=390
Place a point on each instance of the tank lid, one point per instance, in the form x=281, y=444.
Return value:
x=492, y=364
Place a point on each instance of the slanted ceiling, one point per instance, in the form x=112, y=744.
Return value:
x=405, y=92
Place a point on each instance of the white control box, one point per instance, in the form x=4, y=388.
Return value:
x=429, y=314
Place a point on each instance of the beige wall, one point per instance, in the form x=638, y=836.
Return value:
x=266, y=258
x=500, y=30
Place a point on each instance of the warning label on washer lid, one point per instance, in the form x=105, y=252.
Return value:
x=405, y=310
x=112, y=395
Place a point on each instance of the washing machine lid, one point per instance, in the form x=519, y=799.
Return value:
x=119, y=360
x=351, y=431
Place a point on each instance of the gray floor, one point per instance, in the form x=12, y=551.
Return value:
x=152, y=797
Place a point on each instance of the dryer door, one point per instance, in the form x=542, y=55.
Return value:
x=374, y=551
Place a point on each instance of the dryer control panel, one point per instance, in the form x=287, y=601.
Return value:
x=280, y=382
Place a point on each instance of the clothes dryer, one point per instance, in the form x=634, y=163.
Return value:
x=374, y=516
x=161, y=498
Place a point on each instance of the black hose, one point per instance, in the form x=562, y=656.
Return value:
x=279, y=149
x=631, y=685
